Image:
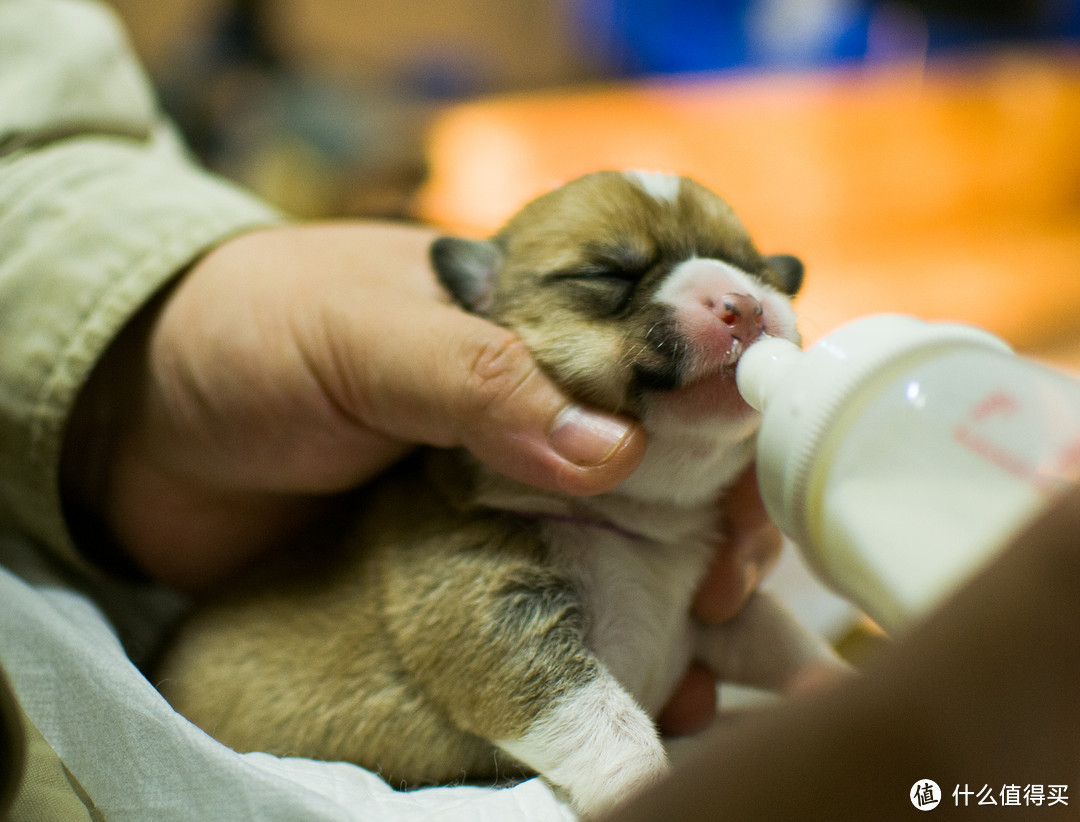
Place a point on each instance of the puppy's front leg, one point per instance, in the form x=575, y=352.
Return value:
x=765, y=646
x=498, y=643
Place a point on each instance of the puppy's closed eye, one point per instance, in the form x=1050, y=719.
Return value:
x=600, y=273
x=610, y=288
x=611, y=274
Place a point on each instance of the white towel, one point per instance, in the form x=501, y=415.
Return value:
x=60, y=644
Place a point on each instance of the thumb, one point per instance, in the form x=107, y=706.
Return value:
x=464, y=381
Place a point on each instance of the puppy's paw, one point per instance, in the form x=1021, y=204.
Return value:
x=603, y=783
x=596, y=745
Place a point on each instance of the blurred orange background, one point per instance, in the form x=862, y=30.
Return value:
x=949, y=189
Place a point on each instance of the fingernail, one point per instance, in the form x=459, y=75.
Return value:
x=586, y=438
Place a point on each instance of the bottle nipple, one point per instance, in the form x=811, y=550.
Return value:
x=763, y=367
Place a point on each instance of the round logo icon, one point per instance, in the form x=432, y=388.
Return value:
x=925, y=794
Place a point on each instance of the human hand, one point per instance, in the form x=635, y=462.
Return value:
x=294, y=363
x=752, y=546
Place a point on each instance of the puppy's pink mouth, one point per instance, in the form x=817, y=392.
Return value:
x=736, y=350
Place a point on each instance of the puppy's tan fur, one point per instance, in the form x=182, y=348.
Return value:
x=465, y=625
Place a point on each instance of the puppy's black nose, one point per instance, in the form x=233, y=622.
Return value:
x=742, y=314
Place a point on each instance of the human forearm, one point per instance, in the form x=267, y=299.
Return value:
x=98, y=209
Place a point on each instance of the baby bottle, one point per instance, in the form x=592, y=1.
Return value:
x=900, y=455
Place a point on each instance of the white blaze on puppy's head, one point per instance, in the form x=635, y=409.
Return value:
x=657, y=184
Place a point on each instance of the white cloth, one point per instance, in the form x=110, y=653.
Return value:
x=60, y=644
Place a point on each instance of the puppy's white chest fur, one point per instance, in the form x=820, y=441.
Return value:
x=636, y=592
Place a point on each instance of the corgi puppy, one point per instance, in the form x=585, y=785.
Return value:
x=466, y=626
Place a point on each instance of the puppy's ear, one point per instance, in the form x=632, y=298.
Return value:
x=467, y=269
x=788, y=270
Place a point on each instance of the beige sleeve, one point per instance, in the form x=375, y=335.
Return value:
x=100, y=206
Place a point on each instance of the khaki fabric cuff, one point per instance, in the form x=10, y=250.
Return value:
x=91, y=229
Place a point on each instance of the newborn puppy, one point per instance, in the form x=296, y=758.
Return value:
x=467, y=626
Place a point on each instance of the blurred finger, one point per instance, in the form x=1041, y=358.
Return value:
x=751, y=549
x=692, y=706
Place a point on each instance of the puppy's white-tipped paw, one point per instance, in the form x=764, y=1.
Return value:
x=597, y=745
x=613, y=783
